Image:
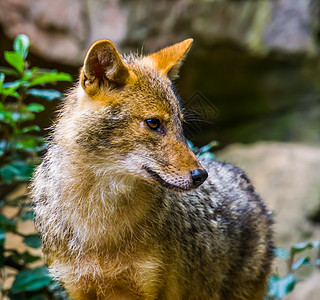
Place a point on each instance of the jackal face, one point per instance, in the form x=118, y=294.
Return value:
x=128, y=114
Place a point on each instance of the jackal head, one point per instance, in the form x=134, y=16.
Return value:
x=127, y=114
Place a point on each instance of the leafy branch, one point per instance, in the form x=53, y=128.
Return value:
x=21, y=142
x=280, y=286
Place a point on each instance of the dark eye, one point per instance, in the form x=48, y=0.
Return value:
x=153, y=123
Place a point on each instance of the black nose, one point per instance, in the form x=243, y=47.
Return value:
x=199, y=176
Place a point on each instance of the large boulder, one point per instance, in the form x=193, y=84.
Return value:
x=287, y=176
x=308, y=289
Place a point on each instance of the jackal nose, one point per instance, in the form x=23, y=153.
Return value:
x=198, y=176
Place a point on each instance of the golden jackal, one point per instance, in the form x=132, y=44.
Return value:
x=118, y=200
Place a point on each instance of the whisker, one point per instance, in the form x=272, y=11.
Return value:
x=198, y=120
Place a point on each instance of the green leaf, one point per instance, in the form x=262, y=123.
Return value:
x=300, y=247
x=16, y=171
x=3, y=145
x=281, y=253
x=2, y=76
x=29, y=73
x=2, y=236
x=281, y=286
x=8, y=224
x=207, y=155
x=29, y=258
x=208, y=147
x=9, y=88
x=21, y=45
x=46, y=94
x=302, y=261
x=28, y=215
x=191, y=146
x=50, y=78
x=9, y=71
x=6, y=221
x=23, y=258
x=30, y=128
x=22, y=117
x=14, y=84
x=33, y=241
x=28, y=143
x=35, y=107
x=15, y=60
x=9, y=92
x=15, y=256
x=31, y=280
x=12, y=117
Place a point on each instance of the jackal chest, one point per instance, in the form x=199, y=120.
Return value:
x=142, y=274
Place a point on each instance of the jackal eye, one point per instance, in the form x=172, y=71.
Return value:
x=153, y=123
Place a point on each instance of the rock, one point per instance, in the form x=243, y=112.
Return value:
x=291, y=23
x=307, y=290
x=56, y=28
x=65, y=29
x=287, y=176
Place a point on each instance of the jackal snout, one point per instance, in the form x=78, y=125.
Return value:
x=176, y=167
x=172, y=180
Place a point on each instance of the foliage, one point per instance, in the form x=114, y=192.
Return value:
x=280, y=286
x=20, y=145
x=204, y=151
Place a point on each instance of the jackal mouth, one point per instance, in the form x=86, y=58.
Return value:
x=166, y=184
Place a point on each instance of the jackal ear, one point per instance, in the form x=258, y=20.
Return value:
x=169, y=60
x=103, y=66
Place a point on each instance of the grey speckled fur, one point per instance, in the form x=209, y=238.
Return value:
x=219, y=232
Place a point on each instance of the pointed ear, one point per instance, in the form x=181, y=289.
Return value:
x=169, y=60
x=103, y=66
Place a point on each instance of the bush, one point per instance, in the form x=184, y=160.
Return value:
x=297, y=257
x=20, y=146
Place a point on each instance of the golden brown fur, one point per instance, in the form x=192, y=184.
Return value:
x=116, y=200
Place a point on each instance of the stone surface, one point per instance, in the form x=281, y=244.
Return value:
x=56, y=28
x=287, y=176
x=64, y=29
x=308, y=289
x=290, y=26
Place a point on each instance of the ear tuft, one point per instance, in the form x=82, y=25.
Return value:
x=169, y=60
x=103, y=65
